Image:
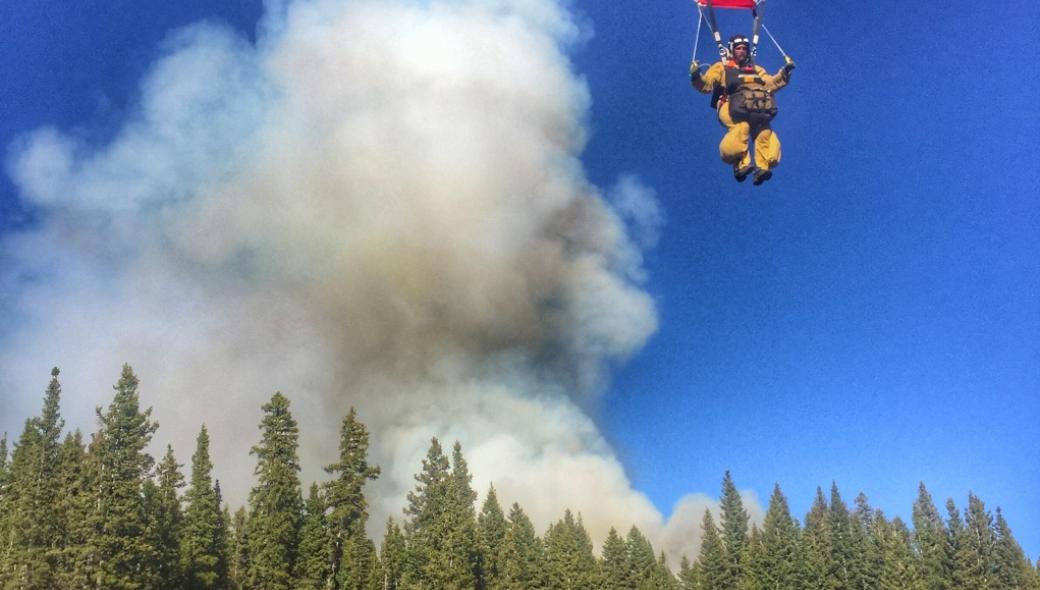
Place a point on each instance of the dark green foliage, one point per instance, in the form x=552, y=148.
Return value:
x=99, y=517
x=122, y=540
x=33, y=525
x=165, y=523
x=393, y=555
x=1012, y=567
x=714, y=567
x=734, y=528
x=956, y=560
x=276, y=506
x=570, y=564
x=866, y=546
x=351, y=553
x=974, y=563
x=780, y=556
x=78, y=476
x=663, y=578
x=238, y=550
x=841, y=542
x=426, y=505
x=491, y=534
x=754, y=575
x=442, y=543
x=5, y=511
x=522, y=554
x=202, y=550
x=314, y=565
x=642, y=564
x=815, y=546
x=898, y=568
x=689, y=575
x=931, y=543
x=616, y=571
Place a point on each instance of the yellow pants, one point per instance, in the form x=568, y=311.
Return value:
x=734, y=146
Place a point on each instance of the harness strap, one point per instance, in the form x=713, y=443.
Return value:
x=697, y=39
x=723, y=52
x=760, y=6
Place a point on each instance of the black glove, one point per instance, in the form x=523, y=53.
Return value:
x=789, y=66
x=695, y=70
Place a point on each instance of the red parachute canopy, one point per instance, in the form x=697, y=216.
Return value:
x=748, y=4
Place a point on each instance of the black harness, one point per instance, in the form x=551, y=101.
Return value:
x=749, y=99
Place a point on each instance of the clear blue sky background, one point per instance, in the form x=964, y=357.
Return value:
x=871, y=316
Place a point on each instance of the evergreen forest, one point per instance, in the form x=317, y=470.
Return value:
x=101, y=513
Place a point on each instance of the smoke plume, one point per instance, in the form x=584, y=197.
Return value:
x=378, y=204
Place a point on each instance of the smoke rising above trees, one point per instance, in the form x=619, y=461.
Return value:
x=129, y=526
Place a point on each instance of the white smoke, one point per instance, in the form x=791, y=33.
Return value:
x=380, y=204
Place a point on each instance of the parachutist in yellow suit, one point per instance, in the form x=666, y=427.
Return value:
x=743, y=95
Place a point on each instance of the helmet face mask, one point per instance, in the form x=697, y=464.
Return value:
x=737, y=40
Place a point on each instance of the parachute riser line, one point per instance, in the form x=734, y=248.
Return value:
x=697, y=39
x=723, y=52
x=757, y=12
x=773, y=39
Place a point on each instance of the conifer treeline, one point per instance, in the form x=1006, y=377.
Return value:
x=102, y=515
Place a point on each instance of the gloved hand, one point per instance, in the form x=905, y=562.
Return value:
x=695, y=69
x=789, y=66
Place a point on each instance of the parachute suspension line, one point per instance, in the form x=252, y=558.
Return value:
x=782, y=52
x=723, y=52
x=760, y=6
x=697, y=39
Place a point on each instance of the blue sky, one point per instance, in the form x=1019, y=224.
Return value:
x=870, y=316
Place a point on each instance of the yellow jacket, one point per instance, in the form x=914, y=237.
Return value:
x=716, y=76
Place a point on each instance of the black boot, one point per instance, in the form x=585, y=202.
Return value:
x=741, y=174
x=762, y=176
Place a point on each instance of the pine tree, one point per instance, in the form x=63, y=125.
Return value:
x=123, y=466
x=755, y=576
x=276, y=505
x=314, y=565
x=641, y=561
x=898, y=569
x=815, y=546
x=734, y=527
x=33, y=526
x=238, y=550
x=351, y=554
x=201, y=551
x=780, y=545
x=222, y=542
x=426, y=506
x=461, y=557
x=865, y=555
x=841, y=541
x=714, y=567
x=1012, y=567
x=664, y=579
x=393, y=555
x=78, y=476
x=491, y=533
x=617, y=572
x=568, y=551
x=930, y=543
x=522, y=554
x=5, y=511
x=957, y=560
x=975, y=561
x=442, y=526
x=688, y=575
x=166, y=523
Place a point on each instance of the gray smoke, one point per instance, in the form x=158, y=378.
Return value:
x=381, y=205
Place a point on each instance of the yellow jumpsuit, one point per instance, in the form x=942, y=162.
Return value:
x=734, y=146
